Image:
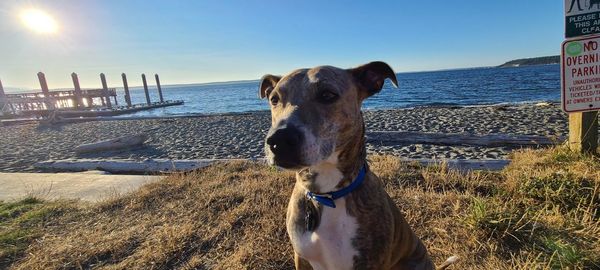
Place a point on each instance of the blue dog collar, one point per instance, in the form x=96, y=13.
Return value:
x=328, y=199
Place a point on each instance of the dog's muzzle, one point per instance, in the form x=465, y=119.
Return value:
x=285, y=144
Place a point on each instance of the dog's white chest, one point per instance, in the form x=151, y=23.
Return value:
x=330, y=245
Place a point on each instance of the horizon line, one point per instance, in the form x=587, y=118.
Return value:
x=21, y=89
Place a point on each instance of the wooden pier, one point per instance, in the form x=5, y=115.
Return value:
x=77, y=102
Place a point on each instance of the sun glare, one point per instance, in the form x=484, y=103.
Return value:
x=39, y=21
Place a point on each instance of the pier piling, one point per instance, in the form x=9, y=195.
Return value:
x=159, y=88
x=2, y=94
x=146, y=89
x=126, y=87
x=77, y=92
x=105, y=91
x=4, y=101
x=2, y=98
x=45, y=91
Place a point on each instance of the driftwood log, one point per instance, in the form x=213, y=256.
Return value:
x=152, y=166
x=124, y=166
x=491, y=140
x=113, y=144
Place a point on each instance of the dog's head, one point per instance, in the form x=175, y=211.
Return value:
x=316, y=112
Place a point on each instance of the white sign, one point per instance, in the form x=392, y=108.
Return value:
x=580, y=76
x=582, y=17
x=578, y=7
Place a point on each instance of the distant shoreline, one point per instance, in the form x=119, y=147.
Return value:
x=535, y=61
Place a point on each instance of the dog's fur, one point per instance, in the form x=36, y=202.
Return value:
x=318, y=130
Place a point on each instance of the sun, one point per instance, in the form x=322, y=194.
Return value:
x=39, y=21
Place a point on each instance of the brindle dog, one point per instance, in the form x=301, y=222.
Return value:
x=318, y=130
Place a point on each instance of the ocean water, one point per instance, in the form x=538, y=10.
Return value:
x=464, y=87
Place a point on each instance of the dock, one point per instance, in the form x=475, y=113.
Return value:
x=77, y=102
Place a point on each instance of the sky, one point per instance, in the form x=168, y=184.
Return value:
x=209, y=41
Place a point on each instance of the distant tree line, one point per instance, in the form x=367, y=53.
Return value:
x=546, y=60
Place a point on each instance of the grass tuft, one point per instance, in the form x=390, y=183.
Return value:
x=564, y=255
x=564, y=190
x=14, y=209
x=23, y=221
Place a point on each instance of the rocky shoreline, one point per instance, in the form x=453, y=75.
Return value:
x=241, y=135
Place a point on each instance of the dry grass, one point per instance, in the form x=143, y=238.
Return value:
x=541, y=212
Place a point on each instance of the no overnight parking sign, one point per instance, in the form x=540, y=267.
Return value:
x=580, y=76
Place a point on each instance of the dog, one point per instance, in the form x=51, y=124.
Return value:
x=339, y=215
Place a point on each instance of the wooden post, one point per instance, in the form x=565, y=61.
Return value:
x=78, y=93
x=146, y=89
x=4, y=101
x=159, y=89
x=2, y=98
x=583, y=132
x=105, y=90
x=126, y=87
x=2, y=93
x=45, y=91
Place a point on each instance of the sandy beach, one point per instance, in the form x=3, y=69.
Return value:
x=241, y=135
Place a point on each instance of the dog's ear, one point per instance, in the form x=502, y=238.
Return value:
x=267, y=84
x=371, y=76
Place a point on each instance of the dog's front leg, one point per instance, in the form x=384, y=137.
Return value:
x=301, y=264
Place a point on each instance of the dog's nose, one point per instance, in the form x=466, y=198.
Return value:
x=285, y=140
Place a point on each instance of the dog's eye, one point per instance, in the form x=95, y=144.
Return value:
x=274, y=100
x=327, y=96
